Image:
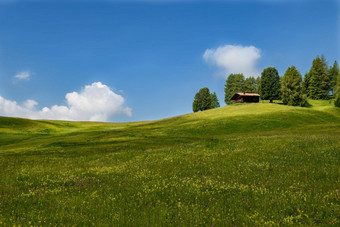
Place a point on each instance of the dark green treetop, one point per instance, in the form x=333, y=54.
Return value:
x=196, y=103
x=234, y=84
x=291, y=87
x=319, y=84
x=214, y=100
x=270, y=84
x=258, y=84
x=305, y=84
x=324, y=62
x=202, y=100
x=250, y=85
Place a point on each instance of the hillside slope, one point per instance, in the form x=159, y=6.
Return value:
x=244, y=164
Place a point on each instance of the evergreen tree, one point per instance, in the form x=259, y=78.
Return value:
x=258, y=84
x=206, y=99
x=196, y=103
x=324, y=63
x=202, y=100
x=291, y=87
x=270, y=84
x=333, y=73
x=319, y=82
x=250, y=85
x=337, y=92
x=214, y=100
x=305, y=84
x=234, y=84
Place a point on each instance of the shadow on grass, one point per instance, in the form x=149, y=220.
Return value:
x=308, y=105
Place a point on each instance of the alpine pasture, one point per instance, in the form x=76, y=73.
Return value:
x=243, y=164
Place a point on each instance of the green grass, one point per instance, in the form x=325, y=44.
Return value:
x=244, y=164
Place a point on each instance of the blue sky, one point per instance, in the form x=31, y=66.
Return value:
x=148, y=55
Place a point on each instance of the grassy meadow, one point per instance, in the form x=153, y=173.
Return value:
x=244, y=164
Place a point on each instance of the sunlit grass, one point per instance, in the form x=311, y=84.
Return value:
x=244, y=164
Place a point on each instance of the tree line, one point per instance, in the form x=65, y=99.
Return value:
x=321, y=82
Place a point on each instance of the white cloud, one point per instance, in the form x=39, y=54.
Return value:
x=30, y=104
x=234, y=59
x=24, y=75
x=96, y=102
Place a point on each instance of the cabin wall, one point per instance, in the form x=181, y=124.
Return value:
x=247, y=99
x=251, y=99
x=238, y=100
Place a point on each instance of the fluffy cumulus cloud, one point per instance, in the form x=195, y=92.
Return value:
x=24, y=75
x=96, y=102
x=234, y=59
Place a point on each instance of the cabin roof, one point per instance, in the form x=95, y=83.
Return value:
x=244, y=94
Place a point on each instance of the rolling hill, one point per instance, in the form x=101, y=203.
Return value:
x=243, y=164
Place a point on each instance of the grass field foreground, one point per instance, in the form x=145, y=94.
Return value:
x=243, y=164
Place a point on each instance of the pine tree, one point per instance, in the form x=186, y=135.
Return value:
x=250, y=85
x=270, y=84
x=206, y=99
x=319, y=82
x=333, y=73
x=214, y=100
x=324, y=62
x=291, y=87
x=196, y=103
x=234, y=84
x=305, y=84
x=258, y=84
x=202, y=100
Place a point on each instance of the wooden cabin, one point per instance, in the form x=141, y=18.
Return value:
x=245, y=98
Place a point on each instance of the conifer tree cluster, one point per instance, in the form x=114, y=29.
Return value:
x=204, y=100
x=321, y=82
